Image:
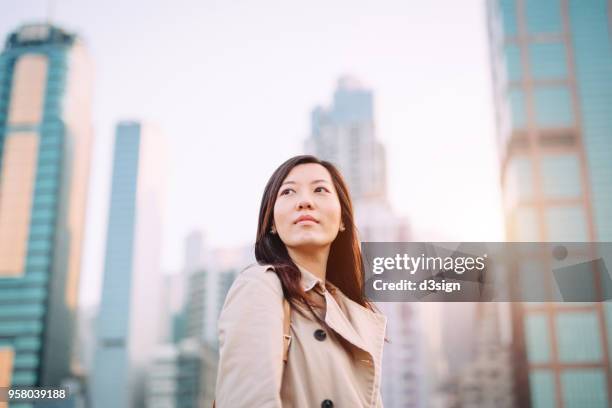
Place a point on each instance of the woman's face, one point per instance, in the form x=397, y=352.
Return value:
x=307, y=211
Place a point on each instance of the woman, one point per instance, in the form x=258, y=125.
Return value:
x=308, y=254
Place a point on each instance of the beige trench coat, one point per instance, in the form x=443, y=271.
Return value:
x=319, y=372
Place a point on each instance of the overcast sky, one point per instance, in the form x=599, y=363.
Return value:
x=231, y=84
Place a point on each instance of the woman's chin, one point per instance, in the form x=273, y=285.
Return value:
x=309, y=241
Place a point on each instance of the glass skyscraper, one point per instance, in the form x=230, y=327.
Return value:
x=128, y=324
x=552, y=76
x=45, y=138
x=345, y=134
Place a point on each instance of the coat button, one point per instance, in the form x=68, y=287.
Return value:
x=320, y=335
x=327, y=404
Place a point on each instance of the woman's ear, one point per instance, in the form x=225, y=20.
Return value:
x=273, y=229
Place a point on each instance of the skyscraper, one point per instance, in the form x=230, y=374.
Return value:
x=552, y=75
x=128, y=326
x=196, y=305
x=345, y=135
x=45, y=140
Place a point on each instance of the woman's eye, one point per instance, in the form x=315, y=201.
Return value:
x=286, y=191
x=321, y=189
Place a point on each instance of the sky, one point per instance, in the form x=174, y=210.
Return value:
x=231, y=85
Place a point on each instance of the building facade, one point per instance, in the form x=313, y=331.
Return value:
x=128, y=326
x=345, y=134
x=45, y=144
x=552, y=76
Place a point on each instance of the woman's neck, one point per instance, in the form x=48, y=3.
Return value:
x=315, y=261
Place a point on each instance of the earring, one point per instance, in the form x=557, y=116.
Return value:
x=342, y=228
x=273, y=230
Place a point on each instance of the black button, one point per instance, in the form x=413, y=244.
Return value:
x=327, y=404
x=320, y=335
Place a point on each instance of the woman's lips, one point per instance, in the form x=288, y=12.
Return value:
x=306, y=222
x=305, y=219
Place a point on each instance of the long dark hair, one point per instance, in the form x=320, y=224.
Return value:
x=344, y=263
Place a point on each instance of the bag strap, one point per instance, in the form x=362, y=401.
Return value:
x=286, y=329
x=286, y=333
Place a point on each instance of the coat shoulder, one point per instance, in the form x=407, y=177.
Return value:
x=262, y=273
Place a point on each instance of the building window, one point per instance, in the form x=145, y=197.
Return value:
x=553, y=106
x=548, y=60
x=567, y=223
x=584, y=388
x=513, y=62
x=561, y=176
x=542, y=386
x=543, y=16
x=537, y=338
x=579, y=337
x=508, y=12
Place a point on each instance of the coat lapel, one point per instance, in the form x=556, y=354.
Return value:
x=357, y=319
x=360, y=326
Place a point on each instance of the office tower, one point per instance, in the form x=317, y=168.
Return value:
x=486, y=380
x=86, y=339
x=196, y=305
x=128, y=326
x=175, y=288
x=194, y=251
x=552, y=77
x=45, y=141
x=162, y=378
x=174, y=376
x=344, y=134
x=189, y=381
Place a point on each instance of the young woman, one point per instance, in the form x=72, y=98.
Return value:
x=308, y=254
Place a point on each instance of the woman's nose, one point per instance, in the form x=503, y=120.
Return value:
x=304, y=202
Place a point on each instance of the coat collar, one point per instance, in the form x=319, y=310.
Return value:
x=308, y=279
x=357, y=318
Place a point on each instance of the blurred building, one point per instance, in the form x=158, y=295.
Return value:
x=194, y=251
x=189, y=374
x=175, y=294
x=196, y=305
x=552, y=75
x=162, y=378
x=173, y=377
x=128, y=326
x=86, y=339
x=487, y=379
x=344, y=134
x=45, y=144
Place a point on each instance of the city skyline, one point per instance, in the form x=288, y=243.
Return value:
x=438, y=138
x=209, y=89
